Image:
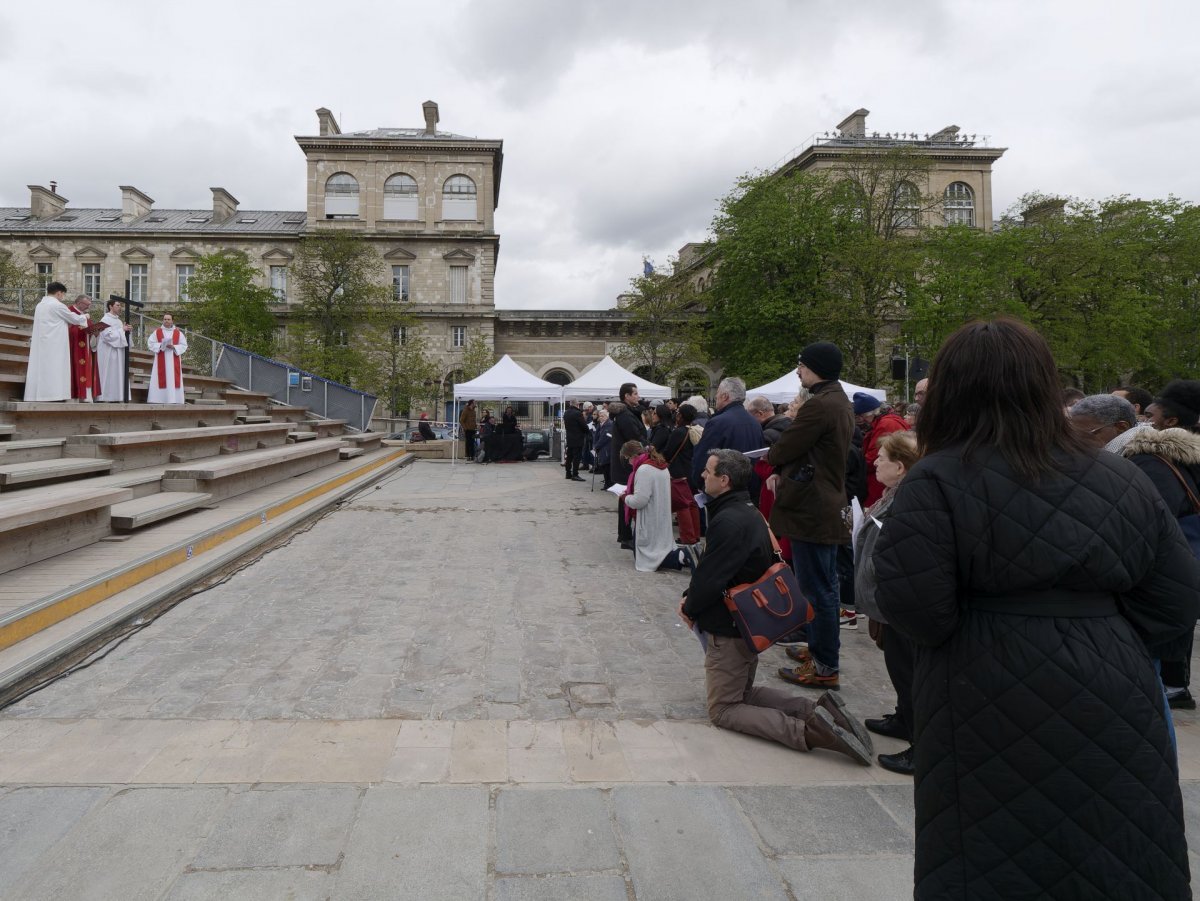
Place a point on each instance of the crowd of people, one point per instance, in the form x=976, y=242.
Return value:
x=1025, y=560
x=73, y=357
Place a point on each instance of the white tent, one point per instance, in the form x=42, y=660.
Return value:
x=508, y=381
x=505, y=381
x=786, y=387
x=605, y=379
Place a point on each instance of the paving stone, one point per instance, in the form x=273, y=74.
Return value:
x=560, y=888
x=281, y=827
x=821, y=820
x=431, y=841
x=553, y=831
x=849, y=878
x=690, y=842
x=32, y=820
x=251, y=885
x=165, y=825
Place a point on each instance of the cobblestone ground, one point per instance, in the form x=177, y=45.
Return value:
x=455, y=686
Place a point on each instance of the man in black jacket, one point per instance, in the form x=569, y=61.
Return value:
x=576, y=428
x=627, y=426
x=739, y=550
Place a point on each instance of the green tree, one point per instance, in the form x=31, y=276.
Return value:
x=401, y=371
x=774, y=240
x=17, y=282
x=666, y=325
x=478, y=357
x=343, y=320
x=226, y=305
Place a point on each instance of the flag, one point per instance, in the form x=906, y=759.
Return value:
x=647, y=267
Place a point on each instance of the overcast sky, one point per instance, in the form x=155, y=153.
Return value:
x=623, y=122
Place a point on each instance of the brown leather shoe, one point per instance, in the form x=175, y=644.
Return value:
x=806, y=676
x=820, y=731
x=837, y=709
x=799, y=654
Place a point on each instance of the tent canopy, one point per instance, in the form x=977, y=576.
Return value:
x=508, y=381
x=786, y=388
x=605, y=380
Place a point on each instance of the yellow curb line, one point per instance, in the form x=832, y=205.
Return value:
x=102, y=591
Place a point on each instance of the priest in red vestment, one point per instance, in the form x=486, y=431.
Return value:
x=85, y=382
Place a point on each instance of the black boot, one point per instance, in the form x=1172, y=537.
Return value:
x=901, y=763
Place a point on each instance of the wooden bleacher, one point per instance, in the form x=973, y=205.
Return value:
x=75, y=474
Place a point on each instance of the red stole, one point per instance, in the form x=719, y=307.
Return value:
x=84, y=374
x=162, y=359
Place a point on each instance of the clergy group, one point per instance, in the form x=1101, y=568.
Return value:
x=72, y=357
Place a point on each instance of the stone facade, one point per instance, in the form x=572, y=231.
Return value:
x=426, y=200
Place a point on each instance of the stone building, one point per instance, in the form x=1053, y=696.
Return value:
x=426, y=200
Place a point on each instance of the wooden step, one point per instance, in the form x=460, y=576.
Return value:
x=145, y=510
x=14, y=475
x=297, y=437
x=254, y=420
x=43, y=522
x=238, y=473
x=30, y=449
x=6, y=430
x=349, y=453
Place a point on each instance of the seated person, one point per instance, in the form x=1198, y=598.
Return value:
x=425, y=429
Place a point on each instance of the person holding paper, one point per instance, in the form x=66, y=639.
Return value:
x=110, y=354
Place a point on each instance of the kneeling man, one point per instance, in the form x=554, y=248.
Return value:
x=738, y=550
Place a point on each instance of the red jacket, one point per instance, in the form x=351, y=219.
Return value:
x=883, y=425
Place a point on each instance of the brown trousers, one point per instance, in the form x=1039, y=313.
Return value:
x=734, y=703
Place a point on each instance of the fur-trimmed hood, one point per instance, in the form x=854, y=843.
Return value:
x=1177, y=445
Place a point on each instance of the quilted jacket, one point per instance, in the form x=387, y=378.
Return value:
x=1044, y=768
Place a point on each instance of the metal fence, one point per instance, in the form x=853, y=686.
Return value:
x=290, y=385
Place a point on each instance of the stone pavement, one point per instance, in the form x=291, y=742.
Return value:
x=455, y=686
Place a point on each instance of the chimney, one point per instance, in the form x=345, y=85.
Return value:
x=45, y=203
x=329, y=124
x=855, y=124
x=134, y=204
x=224, y=205
x=431, y=117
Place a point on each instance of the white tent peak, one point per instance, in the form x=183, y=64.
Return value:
x=605, y=378
x=787, y=386
x=508, y=380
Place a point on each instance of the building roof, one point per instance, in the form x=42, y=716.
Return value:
x=19, y=219
x=406, y=133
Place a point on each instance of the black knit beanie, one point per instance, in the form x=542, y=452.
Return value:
x=823, y=358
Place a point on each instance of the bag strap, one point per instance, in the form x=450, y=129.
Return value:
x=1182, y=481
x=685, y=440
x=774, y=541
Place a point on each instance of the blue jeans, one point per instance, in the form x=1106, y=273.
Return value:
x=816, y=571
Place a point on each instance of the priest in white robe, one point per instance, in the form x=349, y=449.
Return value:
x=110, y=354
x=48, y=374
x=168, y=344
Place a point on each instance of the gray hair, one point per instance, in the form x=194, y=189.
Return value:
x=760, y=404
x=734, y=387
x=734, y=464
x=614, y=409
x=1106, y=409
x=82, y=297
x=698, y=403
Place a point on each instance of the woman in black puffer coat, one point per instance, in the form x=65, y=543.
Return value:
x=1037, y=578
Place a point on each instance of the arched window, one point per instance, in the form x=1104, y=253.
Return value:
x=558, y=377
x=458, y=198
x=906, y=207
x=960, y=204
x=400, y=197
x=341, y=196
